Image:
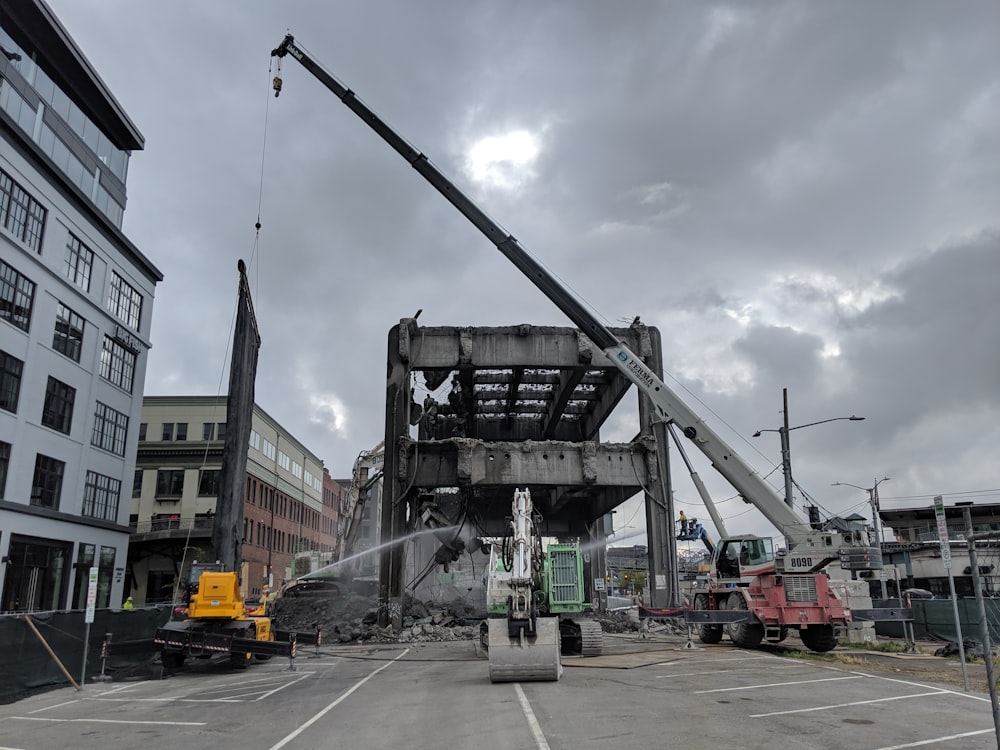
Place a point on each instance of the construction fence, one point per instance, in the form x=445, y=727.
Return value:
x=934, y=620
x=27, y=666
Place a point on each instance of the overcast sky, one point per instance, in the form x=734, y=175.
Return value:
x=800, y=195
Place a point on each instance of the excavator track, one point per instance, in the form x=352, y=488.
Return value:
x=525, y=659
x=592, y=636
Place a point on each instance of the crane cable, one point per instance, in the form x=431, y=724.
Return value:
x=253, y=254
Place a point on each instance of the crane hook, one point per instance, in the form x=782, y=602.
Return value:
x=276, y=83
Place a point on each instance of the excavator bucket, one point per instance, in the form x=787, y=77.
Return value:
x=525, y=659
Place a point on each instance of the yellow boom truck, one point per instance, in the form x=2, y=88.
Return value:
x=215, y=622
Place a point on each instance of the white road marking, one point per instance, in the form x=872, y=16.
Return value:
x=847, y=705
x=716, y=671
x=281, y=687
x=57, y=705
x=289, y=737
x=113, y=721
x=938, y=739
x=536, y=730
x=776, y=684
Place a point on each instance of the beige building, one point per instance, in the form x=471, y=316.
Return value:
x=286, y=511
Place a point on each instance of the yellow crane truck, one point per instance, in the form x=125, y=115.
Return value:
x=215, y=622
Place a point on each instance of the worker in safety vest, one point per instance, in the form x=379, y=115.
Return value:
x=128, y=604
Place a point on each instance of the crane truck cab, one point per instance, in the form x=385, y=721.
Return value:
x=743, y=556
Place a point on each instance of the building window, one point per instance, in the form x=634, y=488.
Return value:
x=168, y=431
x=297, y=469
x=255, y=440
x=142, y=431
x=47, y=482
x=137, y=483
x=17, y=295
x=10, y=381
x=213, y=431
x=169, y=483
x=100, y=496
x=117, y=364
x=208, y=482
x=57, y=411
x=4, y=463
x=268, y=449
x=20, y=214
x=124, y=302
x=110, y=429
x=68, y=336
x=79, y=263
x=284, y=461
x=182, y=431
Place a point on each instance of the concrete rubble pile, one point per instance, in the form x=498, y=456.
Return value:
x=350, y=617
x=628, y=621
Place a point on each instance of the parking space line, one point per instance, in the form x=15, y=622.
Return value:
x=848, y=705
x=776, y=684
x=536, y=730
x=938, y=739
x=343, y=696
x=281, y=687
x=86, y=720
x=716, y=672
x=57, y=705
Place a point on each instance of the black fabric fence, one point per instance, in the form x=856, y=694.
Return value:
x=934, y=620
x=27, y=667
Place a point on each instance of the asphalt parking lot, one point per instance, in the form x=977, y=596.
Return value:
x=641, y=693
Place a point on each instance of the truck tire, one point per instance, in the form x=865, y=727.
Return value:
x=744, y=634
x=821, y=638
x=707, y=633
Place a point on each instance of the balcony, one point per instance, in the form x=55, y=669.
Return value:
x=171, y=527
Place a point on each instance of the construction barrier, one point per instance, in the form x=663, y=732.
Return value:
x=29, y=668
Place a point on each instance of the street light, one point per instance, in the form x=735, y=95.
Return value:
x=876, y=518
x=786, y=449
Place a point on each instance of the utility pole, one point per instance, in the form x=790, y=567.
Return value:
x=786, y=451
x=876, y=521
x=786, y=447
x=985, y=623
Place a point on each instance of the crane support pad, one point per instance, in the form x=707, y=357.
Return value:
x=883, y=614
x=717, y=616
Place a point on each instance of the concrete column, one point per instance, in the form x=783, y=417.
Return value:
x=395, y=477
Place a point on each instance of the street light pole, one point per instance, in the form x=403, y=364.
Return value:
x=786, y=447
x=876, y=521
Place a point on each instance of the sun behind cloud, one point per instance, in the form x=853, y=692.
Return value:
x=503, y=161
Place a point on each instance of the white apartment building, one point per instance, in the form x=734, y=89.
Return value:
x=76, y=304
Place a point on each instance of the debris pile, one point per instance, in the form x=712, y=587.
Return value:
x=349, y=617
x=973, y=649
x=628, y=621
